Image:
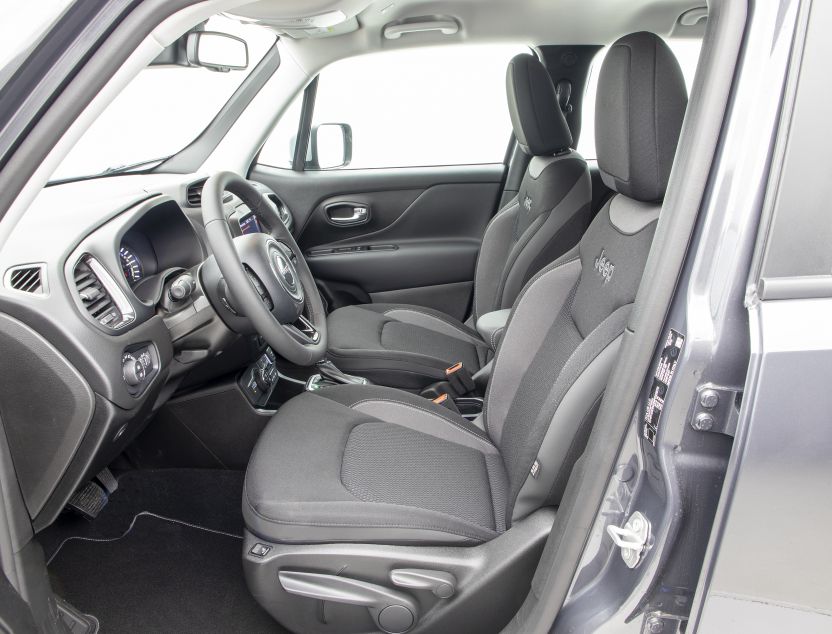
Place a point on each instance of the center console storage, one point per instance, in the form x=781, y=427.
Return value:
x=469, y=406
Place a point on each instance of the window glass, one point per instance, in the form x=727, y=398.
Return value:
x=162, y=109
x=686, y=51
x=279, y=149
x=419, y=107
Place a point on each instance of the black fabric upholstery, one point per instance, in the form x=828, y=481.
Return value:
x=360, y=463
x=392, y=464
x=612, y=264
x=519, y=428
x=401, y=345
x=551, y=213
x=353, y=463
x=638, y=116
x=548, y=217
x=592, y=314
x=538, y=122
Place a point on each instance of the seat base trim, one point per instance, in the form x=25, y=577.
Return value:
x=492, y=579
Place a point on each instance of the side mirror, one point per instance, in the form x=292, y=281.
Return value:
x=216, y=51
x=330, y=146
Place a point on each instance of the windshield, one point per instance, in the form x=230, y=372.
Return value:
x=161, y=111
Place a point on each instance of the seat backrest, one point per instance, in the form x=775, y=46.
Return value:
x=563, y=334
x=553, y=207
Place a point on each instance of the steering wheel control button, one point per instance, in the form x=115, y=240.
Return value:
x=285, y=272
x=261, y=290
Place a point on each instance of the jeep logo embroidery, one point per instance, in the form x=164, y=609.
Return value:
x=527, y=203
x=604, y=267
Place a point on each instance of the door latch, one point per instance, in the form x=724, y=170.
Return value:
x=347, y=214
x=632, y=538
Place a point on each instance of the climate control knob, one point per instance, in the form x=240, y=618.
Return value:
x=132, y=370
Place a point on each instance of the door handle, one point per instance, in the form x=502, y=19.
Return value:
x=347, y=214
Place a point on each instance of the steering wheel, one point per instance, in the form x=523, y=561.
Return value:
x=267, y=276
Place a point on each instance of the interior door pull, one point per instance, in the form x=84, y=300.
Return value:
x=345, y=215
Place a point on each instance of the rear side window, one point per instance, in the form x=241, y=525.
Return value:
x=419, y=107
x=686, y=51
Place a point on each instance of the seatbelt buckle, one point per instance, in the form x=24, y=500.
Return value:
x=460, y=379
x=446, y=401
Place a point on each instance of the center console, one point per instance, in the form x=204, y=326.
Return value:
x=258, y=381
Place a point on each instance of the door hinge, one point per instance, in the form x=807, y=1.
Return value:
x=717, y=409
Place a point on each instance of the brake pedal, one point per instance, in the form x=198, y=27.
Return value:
x=89, y=500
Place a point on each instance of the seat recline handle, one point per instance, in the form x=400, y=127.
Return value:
x=441, y=584
x=393, y=611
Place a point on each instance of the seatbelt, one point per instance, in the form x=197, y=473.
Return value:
x=446, y=401
x=460, y=379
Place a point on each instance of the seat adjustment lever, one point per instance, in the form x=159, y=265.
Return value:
x=442, y=584
x=394, y=612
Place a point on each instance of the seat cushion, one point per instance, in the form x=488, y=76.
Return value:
x=370, y=464
x=400, y=345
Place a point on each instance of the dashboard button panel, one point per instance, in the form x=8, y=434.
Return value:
x=139, y=366
x=259, y=380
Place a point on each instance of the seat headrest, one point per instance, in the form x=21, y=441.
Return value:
x=536, y=117
x=638, y=116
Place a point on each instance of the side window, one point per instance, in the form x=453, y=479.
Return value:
x=279, y=149
x=419, y=107
x=686, y=51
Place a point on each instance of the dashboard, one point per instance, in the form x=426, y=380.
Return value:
x=103, y=315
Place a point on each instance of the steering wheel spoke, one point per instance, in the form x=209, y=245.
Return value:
x=304, y=331
x=266, y=274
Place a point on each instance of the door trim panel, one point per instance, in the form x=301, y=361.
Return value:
x=303, y=191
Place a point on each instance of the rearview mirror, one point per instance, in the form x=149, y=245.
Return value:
x=216, y=51
x=330, y=146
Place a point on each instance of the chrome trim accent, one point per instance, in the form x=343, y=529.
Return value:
x=128, y=313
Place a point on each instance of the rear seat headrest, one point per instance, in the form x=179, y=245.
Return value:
x=536, y=117
x=638, y=116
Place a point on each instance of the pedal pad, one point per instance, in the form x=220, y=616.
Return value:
x=89, y=500
x=74, y=620
x=107, y=480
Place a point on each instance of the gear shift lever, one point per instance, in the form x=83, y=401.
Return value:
x=329, y=371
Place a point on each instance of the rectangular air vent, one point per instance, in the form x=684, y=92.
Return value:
x=101, y=298
x=27, y=279
x=193, y=194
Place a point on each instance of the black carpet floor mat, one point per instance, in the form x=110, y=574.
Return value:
x=163, y=556
x=209, y=497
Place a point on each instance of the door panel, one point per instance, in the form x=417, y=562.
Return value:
x=419, y=244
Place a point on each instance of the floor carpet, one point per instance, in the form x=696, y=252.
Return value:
x=163, y=556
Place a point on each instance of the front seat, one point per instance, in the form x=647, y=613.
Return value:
x=370, y=508
x=410, y=346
